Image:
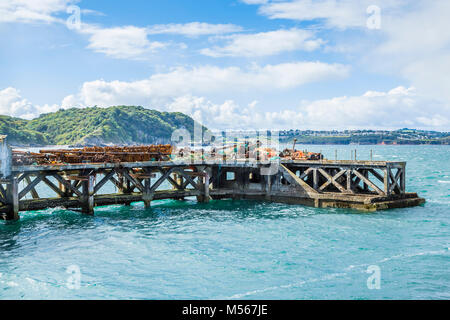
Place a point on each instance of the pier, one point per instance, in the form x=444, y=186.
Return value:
x=360, y=185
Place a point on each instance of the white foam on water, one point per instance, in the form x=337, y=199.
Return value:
x=443, y=181
x=12, y=284
x=336, y=275
x=439, y=202
x=286, y=286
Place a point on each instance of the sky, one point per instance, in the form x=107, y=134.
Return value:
x=233, y=64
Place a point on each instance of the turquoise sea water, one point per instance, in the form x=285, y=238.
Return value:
x=240, y=249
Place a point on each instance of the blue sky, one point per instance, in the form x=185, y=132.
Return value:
x=241, y=64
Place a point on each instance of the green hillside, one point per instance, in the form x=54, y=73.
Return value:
x=19, y=134
x=118, y=125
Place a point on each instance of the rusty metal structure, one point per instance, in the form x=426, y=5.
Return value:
x=94, y=155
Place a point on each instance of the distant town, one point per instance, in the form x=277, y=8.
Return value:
x=402, y=136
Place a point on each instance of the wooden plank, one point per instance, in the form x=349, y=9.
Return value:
x=395, y=181
x=78, y=178
x=368, y=182
x=142, y=175
x=171, y=180
x=136, y=182
x=306, y=173
x=332, y=180
x=174, y=183
x=115, y=182
x=34, y=193
x=188, y=178
x=30, y=186
x=294, y=180
x=53, y=187
x=195, y=174
x=66, y=184
x=161, y=179
x=105, y=179
x=22, y=176
x=377, y=175
x=155, y=164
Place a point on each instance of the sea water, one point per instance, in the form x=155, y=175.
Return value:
x=241, y=249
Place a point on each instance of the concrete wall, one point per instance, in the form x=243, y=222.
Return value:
x=5, y=158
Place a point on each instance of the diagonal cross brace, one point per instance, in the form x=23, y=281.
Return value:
x=293, y=179
x=332, y=180
x=30, y=186
x=161, y=180
x=394, y=180
x=368, y=182
x=67, y=184
x=189, y=179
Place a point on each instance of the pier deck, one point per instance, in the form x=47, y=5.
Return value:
x=361, y=185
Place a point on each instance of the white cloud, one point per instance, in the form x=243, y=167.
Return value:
x=12, y=104
x=193, y=29
x=231, y=115
x=126, y=42
x=341, y=14
x=397, y=108
x=207, y=80
x=27, y=11
x=265, y=43
x=131, y=42
x=336, y=13
x=413, y=41
x=417, y=47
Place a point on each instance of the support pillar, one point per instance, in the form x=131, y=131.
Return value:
x=124, y=186
x=403, y=180
x=268, y=187
x=349, y=180
x=317, y=203
x=147, y=196
x=12, y=195
x=88, y=195
x=121, y=186
x=180, y=181
x=204, y=187
x=239, y=183
x=315, y=179
x=387, y=184
x=366, y=175
x=206, y=197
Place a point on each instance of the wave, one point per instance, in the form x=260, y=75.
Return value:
x=286, y=286
x=336, y=275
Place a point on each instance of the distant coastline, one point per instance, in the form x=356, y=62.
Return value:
x=307, y=137
x=367, y=137
x=136, y=125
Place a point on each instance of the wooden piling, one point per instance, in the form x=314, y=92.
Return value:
x=12, y=197
x=87, y=205
x=147, y=196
